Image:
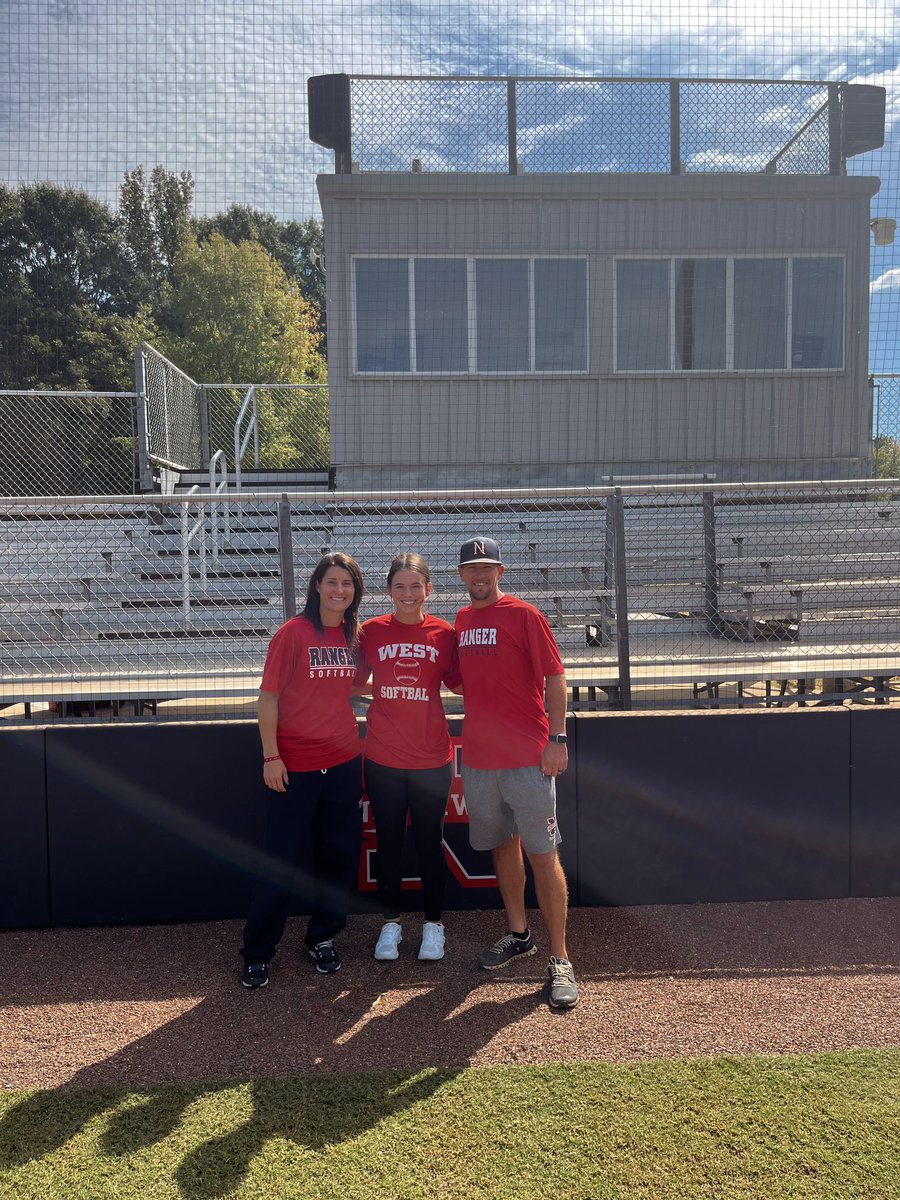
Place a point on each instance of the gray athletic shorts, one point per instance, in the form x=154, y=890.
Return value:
x=502, y=803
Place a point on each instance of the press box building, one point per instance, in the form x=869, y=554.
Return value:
x=528, y=329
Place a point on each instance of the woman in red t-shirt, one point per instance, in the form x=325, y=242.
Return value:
x=311, y=770
x=408, y=752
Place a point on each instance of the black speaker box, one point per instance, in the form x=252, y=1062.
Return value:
x=862, y=119
x=329, y=111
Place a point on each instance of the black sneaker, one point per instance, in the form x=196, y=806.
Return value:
x=256, y=975
x=325, y=957
x=509, y=947
x=562, y=990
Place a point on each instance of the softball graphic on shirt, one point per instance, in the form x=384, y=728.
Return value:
x=407, y=671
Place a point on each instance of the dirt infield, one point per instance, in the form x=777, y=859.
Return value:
x=153, y=1004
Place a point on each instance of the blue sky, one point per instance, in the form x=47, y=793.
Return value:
x=218, y=87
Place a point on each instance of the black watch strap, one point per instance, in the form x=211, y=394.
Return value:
x=558, y=737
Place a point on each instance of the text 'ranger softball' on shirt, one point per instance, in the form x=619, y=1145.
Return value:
x=312, y=673
x=506, y=650
x=405, y=723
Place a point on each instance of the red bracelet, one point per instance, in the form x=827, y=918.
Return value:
x=274, y=758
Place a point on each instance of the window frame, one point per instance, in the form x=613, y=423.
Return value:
x=472, y=371
x=729, y=367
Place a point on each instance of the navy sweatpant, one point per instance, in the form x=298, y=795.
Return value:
x=313, y=838
x=394, y=792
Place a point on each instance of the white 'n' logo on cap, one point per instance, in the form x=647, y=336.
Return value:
x=479, y=548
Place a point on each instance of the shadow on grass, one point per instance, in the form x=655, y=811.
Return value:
x=312, y=1110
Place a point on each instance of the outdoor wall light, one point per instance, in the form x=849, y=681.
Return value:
x=883, y=229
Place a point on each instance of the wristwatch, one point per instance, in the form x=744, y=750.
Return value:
x=558, y=737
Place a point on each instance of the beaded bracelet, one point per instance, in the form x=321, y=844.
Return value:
x=274, y=758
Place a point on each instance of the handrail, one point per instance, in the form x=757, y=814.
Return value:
x=241, y=444
x=188, y=535
x=417, y=497
x=218, y=460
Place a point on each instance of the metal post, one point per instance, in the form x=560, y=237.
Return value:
x=710, y=567
x=835, y=148
x=286, y=558
x=618, y=510
x=167, y=433
x=675, y=129
x=511, y=130
x=142, y=424
x=203, y=402
x=185, y=563
x=255, y=431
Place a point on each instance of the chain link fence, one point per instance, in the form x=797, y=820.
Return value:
x=575, y=125
x=172, y=408
x=753, y=127
x=660, y=597
x=293, y=425
x=886, y=425
x=105, y=443
x=67, y=443
x=88, y=443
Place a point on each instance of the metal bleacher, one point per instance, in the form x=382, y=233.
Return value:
x=787, y=599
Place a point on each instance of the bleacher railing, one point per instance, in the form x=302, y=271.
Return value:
x=169, y=417
x=667, y=596
x=597, y=124
x=291, y=425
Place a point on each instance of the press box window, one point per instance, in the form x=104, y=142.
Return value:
x=470, y=315
x=731, y=314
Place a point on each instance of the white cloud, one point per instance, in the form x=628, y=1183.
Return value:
x=218, y=87
x=888, y=282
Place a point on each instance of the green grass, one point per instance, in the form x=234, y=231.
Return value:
x=823, y=1127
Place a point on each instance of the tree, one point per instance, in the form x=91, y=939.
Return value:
x=70, y=306
x=886, y=457
x=293, y=244
x=155, y=214
x=239, y=319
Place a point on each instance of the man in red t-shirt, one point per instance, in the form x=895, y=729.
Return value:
x=512, y=752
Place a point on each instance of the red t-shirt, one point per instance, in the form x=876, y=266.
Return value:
x=312, y=674
x=506, y=651
x=405, y=725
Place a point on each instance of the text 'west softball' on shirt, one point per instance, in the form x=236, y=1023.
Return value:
x=312, y=674
x=506, y=650
x=405, y=723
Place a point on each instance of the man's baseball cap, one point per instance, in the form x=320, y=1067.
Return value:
x=480, y=550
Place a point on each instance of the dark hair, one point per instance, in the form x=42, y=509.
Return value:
x=408, y=562
x=350, y=620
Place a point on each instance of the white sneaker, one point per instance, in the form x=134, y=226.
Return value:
x=432, y=947
x=388, y=940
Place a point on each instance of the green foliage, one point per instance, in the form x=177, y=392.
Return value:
x=238, y=318
x=81, y=287
x=66, y=445
x=786, y=1128
x=291, y=243
x=886, y=457
x=155, y=216
x=69, y=296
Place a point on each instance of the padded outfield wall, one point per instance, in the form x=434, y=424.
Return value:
x=161, y=822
